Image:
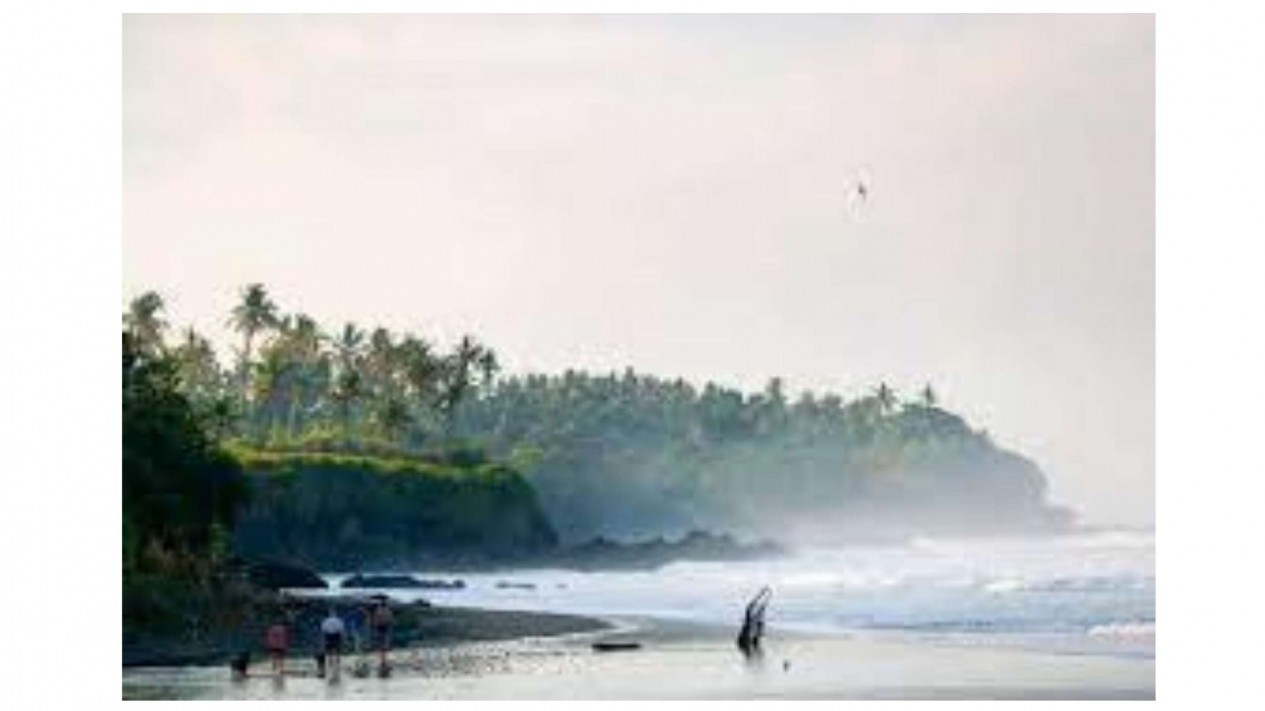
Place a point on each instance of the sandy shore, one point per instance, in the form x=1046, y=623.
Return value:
x=418, y=625
x=685, y=661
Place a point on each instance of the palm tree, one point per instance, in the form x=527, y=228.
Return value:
x=199, y=371
x=421, y=371
x=255, y=313
x=299, y=345
x=488, y=367
x=144, y=320
x=220, y=418
x=273, y=383
x=380, y=363
x=393, y=417
x=928, y=396
x=886, y=398
x=348, y=389
x=457, y=373
x=306, y=335
x=348, y=344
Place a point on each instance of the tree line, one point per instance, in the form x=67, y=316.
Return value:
x=610, y=454
x=294, y=383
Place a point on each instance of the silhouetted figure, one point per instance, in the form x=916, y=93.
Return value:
x=332, y=631
x=239, y=665
x=381, y=619
x=277, y=639
x=753, y=624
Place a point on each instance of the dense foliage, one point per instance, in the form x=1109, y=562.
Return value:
x=638, y=455
x=180, y=490
x=609, y=454
x=180, y=494
x=343, y=512
x=293, y=384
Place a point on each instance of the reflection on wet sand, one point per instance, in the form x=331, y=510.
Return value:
x=680, y=661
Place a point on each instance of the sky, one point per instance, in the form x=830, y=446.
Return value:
x=670, y=193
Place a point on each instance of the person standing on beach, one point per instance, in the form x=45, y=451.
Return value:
x=381, y=618
x=332, y=630
x=276, y=639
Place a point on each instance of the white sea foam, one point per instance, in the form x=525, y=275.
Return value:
x=1088, y=584
x=1123, y=629
x=1004, y=585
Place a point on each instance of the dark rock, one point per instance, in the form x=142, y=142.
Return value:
x=275, y=575
x=400, y=581
x=456, y=584
x=601, y=553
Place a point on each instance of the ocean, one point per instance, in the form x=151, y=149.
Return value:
x=1084, y=593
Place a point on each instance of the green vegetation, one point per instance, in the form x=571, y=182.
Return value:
x=633, y=455
x=344, y=417
x=180, y=495
x=342, y=511
x=198, y=493
x=180, y=490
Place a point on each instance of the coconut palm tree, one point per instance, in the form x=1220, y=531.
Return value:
x=255, y=313
x=421, y=371
x=299, y=344
x=393, y=418
x=200, y=376
x=488, y=367
x=144, y=320
x=886, y=398
x=380, y=364
x=347, y=345
x=928, y=396
x=348, y=390
x=457, y=373
x=273, y=384
x=221, y=417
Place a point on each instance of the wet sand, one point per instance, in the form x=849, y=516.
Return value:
x=415, y=624
x=684, y=661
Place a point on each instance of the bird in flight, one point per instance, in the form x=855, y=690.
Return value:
x=857, y=195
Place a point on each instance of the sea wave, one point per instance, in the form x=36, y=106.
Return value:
x=1098, y=587
x=1123, y=629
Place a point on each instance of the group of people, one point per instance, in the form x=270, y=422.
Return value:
x=378, y=618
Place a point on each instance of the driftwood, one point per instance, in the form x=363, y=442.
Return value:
x=753, y=623
x=615, y=646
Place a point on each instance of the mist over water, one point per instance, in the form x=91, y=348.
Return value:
x=1088, y=592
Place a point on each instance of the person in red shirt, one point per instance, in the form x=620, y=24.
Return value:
x=276, y=639
x=381, y=620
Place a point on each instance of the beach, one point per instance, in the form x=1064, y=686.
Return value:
x=1068, y=618
x=416, y=624
x=683, y=660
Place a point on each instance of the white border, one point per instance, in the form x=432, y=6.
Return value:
x=59, y=151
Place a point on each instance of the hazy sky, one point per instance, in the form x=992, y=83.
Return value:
x=668, y=193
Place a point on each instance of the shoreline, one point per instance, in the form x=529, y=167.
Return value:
x=417, y=625
x=682, y=660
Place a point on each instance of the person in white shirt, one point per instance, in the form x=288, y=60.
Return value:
x=332, y=629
